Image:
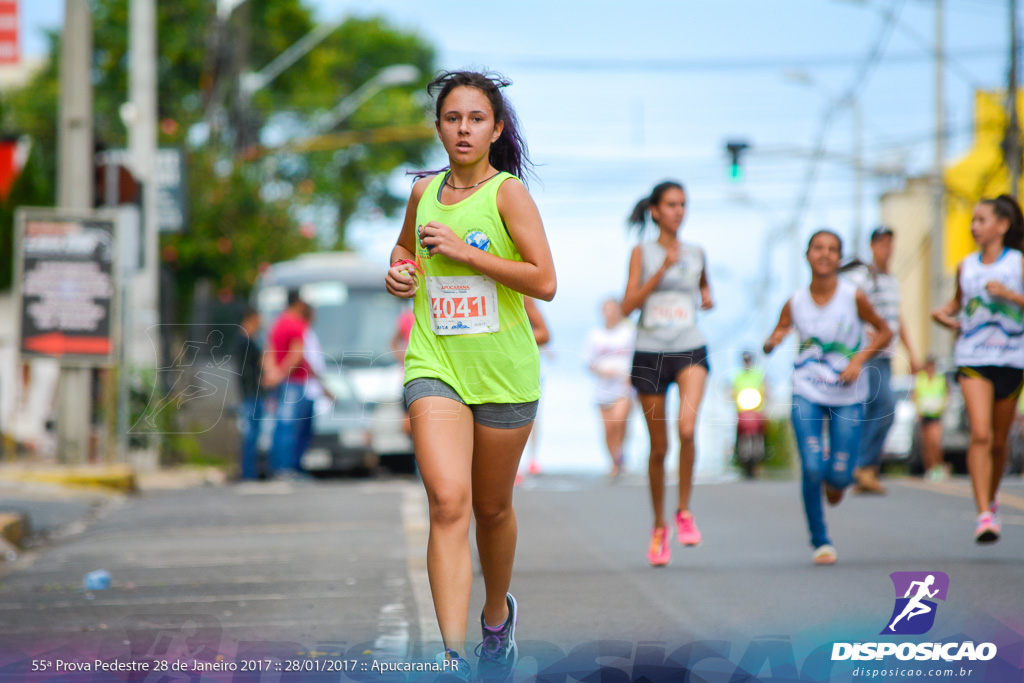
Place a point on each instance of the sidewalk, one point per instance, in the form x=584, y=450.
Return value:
x=38, y=500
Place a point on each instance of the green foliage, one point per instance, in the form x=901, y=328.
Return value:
x=780, y=450
x=232, y=232
x=354, y=179
x=234, y=225
x=176, y=447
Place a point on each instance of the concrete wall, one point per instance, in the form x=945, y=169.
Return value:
x=23, y=415
x=909, y=213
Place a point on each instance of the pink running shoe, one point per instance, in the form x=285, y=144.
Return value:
x=987, y=530
x=659, y=553
x=687, y=529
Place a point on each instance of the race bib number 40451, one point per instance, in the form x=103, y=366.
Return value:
x=463, y=304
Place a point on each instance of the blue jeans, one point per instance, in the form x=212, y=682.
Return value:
x=844, y=427
x=294, y=411
x=250, y=414
x=879, y=411
x=305, y=434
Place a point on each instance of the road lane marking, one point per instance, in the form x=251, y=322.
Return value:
x=415, y=522
x=179, y=600
x=244, y=530
x=962, y=490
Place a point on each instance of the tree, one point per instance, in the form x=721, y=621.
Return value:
x=235, y=221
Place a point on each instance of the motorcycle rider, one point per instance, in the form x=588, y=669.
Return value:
x=750, y=394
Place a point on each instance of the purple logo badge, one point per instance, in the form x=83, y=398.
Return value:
x=916, y=592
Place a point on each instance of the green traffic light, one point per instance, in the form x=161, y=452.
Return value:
x=735, y=151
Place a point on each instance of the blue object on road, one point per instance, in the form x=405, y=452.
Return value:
x=97, y=580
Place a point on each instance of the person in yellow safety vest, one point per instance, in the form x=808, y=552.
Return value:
x=930, y=399
x=749, y=377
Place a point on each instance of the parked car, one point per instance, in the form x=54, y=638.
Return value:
x=899, y=442
x=355, y=321
x=956, y=433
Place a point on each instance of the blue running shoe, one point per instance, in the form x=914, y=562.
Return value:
x=454, y=669
x=497, y=651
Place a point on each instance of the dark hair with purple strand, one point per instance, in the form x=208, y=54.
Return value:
x=638, y=218
x=1005, y=206
x=509, y=152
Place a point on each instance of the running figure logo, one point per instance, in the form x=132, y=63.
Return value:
x=914, y=613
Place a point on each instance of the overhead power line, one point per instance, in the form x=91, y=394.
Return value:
x=558, y=63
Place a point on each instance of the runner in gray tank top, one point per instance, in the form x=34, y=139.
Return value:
x=667, y=282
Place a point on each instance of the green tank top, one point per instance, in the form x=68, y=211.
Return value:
x=471, y=332
x=747, y=378
x=930, y=393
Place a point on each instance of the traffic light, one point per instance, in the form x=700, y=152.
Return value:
x=735, y=150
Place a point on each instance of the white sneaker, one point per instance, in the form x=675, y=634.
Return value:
x=825, y=554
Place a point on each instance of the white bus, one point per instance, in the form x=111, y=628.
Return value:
x=355, y=321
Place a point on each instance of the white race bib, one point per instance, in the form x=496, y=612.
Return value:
x=932, y=405
x=463, y=304
x=670, y=309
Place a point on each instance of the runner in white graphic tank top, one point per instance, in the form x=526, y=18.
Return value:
x=987, y=311
x=827, y=381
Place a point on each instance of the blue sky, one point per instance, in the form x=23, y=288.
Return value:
x=615, y=97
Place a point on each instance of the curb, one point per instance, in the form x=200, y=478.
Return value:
x=118, y=479
x=13, y=528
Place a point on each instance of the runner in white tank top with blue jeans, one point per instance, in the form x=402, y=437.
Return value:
x=988, y=312
x=827, y=380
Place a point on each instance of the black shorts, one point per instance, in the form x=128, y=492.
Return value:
x=1007, y=382
x=929, y=419
x=653, y=372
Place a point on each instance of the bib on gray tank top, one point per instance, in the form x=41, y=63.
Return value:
x=668, y=318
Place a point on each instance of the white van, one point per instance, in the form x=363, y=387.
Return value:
x=355, y=321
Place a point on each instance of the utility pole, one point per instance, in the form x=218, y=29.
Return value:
x=1011, y=140
x=139, y=116
x=858, y=177
x=75, y=191
x=240, y=114
x=940, y=344
x=141, y=122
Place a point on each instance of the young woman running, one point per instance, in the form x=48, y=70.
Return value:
x=827, y=380
x=666, y=279
x=989, y=350
x=472, y=244
x=609, y=354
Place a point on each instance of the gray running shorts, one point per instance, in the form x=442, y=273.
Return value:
x=497, y=415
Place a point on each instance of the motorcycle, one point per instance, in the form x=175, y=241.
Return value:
x=751, y=427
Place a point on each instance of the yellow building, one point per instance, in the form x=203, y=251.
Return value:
x=979, y=173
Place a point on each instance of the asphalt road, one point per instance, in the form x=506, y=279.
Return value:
x=336, y=569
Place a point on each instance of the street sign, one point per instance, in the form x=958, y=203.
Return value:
x=66, y=284
x=170, y=190
x=169, y=176
x=10, y=52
